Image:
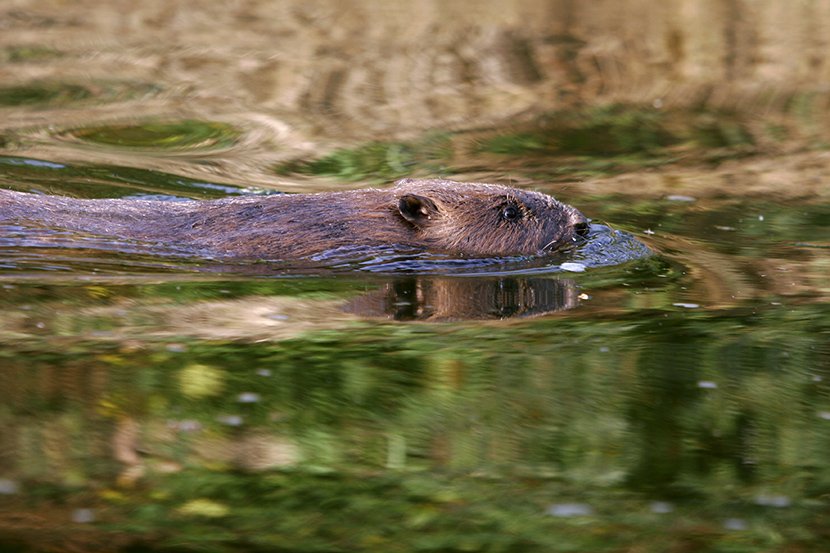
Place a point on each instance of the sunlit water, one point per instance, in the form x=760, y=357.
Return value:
x=661, y=386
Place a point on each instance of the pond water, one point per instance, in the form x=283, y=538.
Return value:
x=663, y=387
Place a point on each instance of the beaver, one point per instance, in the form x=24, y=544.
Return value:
x=432, y=215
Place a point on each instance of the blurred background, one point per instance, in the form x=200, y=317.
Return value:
x=295, y=80
x=669, y=402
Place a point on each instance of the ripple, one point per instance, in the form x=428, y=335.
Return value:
x=603, y=247
x=187, y=134
x=106, y=181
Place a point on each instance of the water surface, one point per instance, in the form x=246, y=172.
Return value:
x=663, y=387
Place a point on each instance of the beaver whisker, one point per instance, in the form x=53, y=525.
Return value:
x=549, y=246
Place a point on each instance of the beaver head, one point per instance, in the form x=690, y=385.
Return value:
x=487, y=220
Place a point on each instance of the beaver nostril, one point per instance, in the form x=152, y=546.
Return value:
x=582, y=228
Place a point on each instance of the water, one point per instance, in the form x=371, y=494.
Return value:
x=662, y=387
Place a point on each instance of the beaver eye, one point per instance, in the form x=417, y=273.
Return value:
x=510, y=213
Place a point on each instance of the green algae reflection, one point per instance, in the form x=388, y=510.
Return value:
x=379, y=161
x=38, y=94
x=176, y=135
x=28, y=53
x=45, y=94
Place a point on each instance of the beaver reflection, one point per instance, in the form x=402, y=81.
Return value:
x=447, y=298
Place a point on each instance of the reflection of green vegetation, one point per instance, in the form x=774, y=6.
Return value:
x=601, y=131
x=42, y=94
x=28, y=53
x=716, y=130
x=483, y=436
x=298, y=511
x=583, y=141
x=616, y=133
x=45, y=93
x=808, y=107
x=379, y=160
x=810, y=111
x=586, y=141
x=178, y=135
x=754, y=226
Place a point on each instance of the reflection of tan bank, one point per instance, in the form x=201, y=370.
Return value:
x=449, y=298
x=283, y=317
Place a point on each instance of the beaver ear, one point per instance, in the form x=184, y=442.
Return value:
x=418, y=210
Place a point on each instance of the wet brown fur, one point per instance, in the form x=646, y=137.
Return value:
x=463, y=219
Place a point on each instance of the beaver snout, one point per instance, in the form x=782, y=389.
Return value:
x=581, y=224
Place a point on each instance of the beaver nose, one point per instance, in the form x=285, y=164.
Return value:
x=581, y=224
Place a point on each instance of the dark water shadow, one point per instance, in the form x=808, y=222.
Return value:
x=453, y=298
